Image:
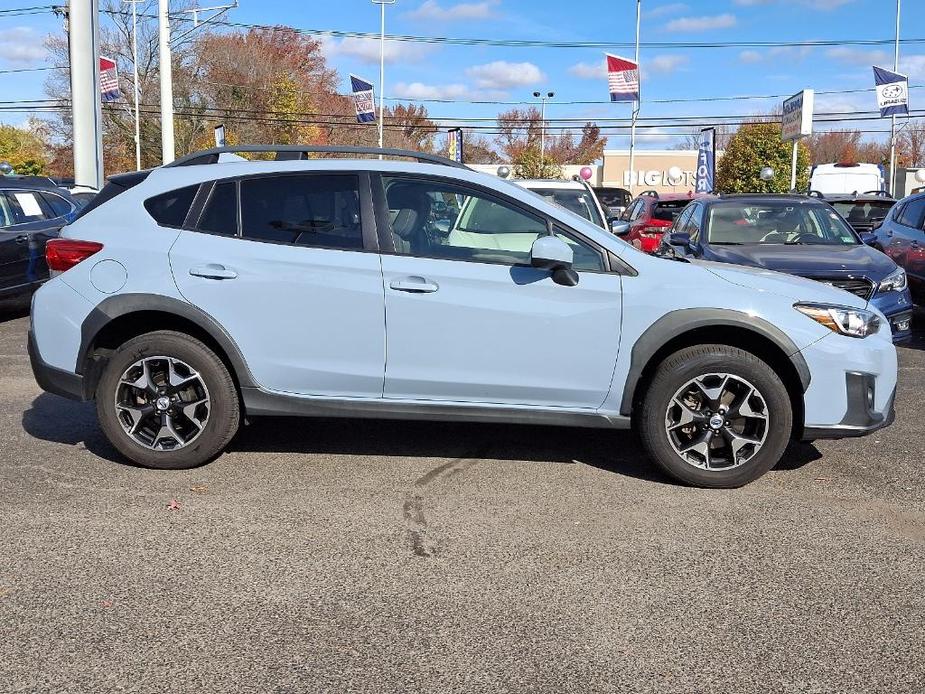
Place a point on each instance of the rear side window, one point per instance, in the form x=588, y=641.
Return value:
x=58, y=205
x=305, y=210
x=26, y=206
x=220, y=215
x=669, y=210
x=170, y=209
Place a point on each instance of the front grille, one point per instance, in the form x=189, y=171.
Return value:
x=861, y=288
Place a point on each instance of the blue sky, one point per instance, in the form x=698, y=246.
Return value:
x=465, y=73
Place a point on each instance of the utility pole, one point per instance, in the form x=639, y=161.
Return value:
x=166, y=70
x=83, y=30
x=382, y=4
x=636, y=103
x=893, y=117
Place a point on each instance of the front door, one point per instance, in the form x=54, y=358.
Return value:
x=468, y=319
x=293, y=283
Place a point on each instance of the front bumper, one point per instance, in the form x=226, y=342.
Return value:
x=52, y=379
x=897, y=307
x=861, y=417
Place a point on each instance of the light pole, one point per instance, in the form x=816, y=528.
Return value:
x=382, y=4
x=893, y=117
x=543, y=98
x=137, y=89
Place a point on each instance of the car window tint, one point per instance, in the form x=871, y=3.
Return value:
x=913, y=213
x=584, y=257
x=170, y=209
x=668, y=210
x=59, y=206
x=220, y=215
x=26, y=206
x=6, y=213
x=306, y=210
x=681, y=222
x=439, y=220
x=695, y=221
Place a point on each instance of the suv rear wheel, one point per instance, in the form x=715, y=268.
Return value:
x=167, y=401
x=716, y=416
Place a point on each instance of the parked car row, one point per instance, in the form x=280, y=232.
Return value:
x=194, y=295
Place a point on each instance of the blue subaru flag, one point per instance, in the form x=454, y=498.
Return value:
x=892, y=92
x=364, y=100
x=706, y=161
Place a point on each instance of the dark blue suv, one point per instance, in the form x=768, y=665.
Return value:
x=798, y=235
x=32, y=211
x=902, y=237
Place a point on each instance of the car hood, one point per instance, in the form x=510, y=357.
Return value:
x=789, y=286
x=810, y=261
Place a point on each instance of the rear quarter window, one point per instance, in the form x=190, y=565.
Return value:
x=170, y=209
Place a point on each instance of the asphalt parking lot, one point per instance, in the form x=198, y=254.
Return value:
x=378, y=556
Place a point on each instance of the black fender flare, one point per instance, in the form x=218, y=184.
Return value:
x=115, y=307
x=676, y=323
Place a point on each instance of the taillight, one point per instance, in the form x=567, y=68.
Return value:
x=63, y=254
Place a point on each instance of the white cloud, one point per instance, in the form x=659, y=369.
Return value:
x=704, y=23
x=750, y=57
x=791, y=53
x=589, y=71
x=503, y=75
x=664, y=64
x=432, y=11
x=855, y=56
x=367, y=49
x=21, y=46
x=663, y=10
x=913, y=65
x=419, y=90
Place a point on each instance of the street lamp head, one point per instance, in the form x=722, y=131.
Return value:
x=536, y=94
x=551, y=94
x=5, y=168
x=767, y=173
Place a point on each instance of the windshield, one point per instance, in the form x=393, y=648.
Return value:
x=787, y=223
x=863, y=212
x=577, y=201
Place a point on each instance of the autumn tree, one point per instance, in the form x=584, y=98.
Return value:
x=753, y=147
x=23, y=149
x=834, y=146
x=910, y=144
x=410, y=127
x=477, y=149
x=521, y=132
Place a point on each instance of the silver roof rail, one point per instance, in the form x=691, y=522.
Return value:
x=284, y=152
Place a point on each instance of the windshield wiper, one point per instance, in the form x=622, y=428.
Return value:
x=726, y=243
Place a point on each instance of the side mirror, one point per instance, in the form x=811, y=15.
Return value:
x=552, y=253
x=877, y=224
x=617, y=226
x=868, y=238
x=679, y=238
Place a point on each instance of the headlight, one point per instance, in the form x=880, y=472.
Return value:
x=894, y=282
x=854, y=322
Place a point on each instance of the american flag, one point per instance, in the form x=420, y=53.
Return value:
x=622, y=78
x=109, y=80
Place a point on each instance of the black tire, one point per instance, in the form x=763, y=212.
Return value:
x=694, y=362
x=224, y=407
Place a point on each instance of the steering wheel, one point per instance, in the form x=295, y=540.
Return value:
x=804, y=237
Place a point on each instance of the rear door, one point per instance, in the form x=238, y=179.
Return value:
x=26, y=217
x=293, y=276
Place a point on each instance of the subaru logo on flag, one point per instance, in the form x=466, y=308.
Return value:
x=109, y=80
x=364, y=100
x=892, y=92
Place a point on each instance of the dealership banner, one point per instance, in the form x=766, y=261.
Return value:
x=622, y=78
x=220, y=140
x=455, y=144
x=109, y=80
x=364, y=100
x=706, y=160
x=797, y=119
x=892, y=92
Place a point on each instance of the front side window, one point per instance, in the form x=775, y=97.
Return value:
x=680, y=223
x=776, y=222
x=913, y=213
x=695, y=222
x=304, y=210
x=439, y=220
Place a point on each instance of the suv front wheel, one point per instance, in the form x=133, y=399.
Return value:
x=715, y=416
x=167, y=401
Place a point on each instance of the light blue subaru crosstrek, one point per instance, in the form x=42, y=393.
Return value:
x=199, y=293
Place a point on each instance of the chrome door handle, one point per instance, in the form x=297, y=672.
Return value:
x=22, y=238
x=213, y=271
x=414, y=285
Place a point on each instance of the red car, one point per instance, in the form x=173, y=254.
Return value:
x=650, y=215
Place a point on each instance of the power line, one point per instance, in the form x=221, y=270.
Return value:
x=30, y=69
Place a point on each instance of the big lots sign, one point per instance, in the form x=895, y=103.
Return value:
x=659, y=178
